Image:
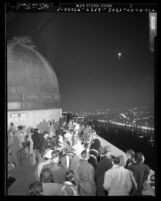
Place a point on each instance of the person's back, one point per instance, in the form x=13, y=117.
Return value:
x=117, y=180
x=58, y=172
x=103, y=165
x=49, y=186
x=43, y=143
x=35, y=139
x=140, y=172
x=85, y=177
x=84, y=170
x=69, y=187
x=74, y=162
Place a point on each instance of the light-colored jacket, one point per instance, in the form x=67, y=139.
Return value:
x=117, y=181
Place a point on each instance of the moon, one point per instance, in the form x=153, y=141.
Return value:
x=119, y=55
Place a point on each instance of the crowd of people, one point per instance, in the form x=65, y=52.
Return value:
x=70, y=160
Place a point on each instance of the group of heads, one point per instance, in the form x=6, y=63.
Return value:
x=105, y=150
x=20, y=127
x=135, y=157
x=46, y=176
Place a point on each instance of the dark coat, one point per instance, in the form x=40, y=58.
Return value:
x=35, y=139
x=94, y=152
x=104, y=165
x=43, y=143
x=141, y=173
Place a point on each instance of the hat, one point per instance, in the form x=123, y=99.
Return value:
x=20, y=127
x=107, y=148
x=48, y=153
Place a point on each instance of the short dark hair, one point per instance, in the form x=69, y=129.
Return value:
x=122, y=161
x=116, y=160
x=139, y=157
x=35, y=188
x=46, y=176
x=131, y=152
x=69, y=175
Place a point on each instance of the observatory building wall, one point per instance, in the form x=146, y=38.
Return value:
x=32, y=85
x=31, y=118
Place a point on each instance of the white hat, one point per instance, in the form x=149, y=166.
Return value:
x=48, y=153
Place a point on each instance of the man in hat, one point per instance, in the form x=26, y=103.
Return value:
x=102, y=166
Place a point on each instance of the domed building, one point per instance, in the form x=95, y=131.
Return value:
x=32, y=85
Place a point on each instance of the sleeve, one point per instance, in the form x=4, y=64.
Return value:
x=97, y=171
x=127, y=164
x=133, y=179
x=91, y=174
x=128, y=182
x=107, y=180
x=147, y=172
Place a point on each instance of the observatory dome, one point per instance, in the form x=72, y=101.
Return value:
x=31, y=81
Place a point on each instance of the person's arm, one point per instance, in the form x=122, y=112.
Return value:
x=147, y=172
x=91, y=174
x=133, y=179
x=128, y=182
x=107, y=180
x=40, y=167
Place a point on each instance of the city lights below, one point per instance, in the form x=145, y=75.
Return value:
x=128, y=125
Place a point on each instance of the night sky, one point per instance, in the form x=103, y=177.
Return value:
x=83, y=50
